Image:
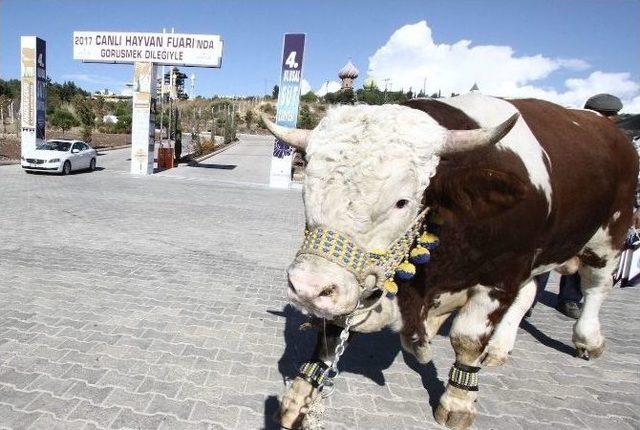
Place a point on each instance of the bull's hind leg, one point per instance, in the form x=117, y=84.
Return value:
x=504, y=337
x=596, y=281
x=469, y=335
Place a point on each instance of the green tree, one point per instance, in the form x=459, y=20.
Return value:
x=345, y=97
x=63, y=119
x=307, y=119
x=10, y=88
x=123, y=126
x=86, y=133
x=84, y=110
x=371, y=96
x=310, y=97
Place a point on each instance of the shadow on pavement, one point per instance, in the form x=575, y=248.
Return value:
x=429, y=376
x=367, y=355
x=546, y=340
x=548, y=298
x=216, y=166
x=271, y=406
x=72, y=173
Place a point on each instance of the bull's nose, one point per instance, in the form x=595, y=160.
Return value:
x=328, y=290
x=309, y=288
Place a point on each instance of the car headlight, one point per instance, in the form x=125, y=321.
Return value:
x=54, y=160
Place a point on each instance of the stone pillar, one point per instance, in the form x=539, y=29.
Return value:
x=33, y=100
x=143, y=123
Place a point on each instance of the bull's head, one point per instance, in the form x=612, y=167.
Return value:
x=367, y=172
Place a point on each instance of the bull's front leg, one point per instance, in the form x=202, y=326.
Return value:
x=470, y=332
x=304, y=389
x=421, y=348
x=504, y=337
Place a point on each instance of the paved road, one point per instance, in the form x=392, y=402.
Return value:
x=246, y=162
x=157, y=302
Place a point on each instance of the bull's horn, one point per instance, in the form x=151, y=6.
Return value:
x=466, y=140
x=295, y=137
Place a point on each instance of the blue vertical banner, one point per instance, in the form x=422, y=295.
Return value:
x=287, y=108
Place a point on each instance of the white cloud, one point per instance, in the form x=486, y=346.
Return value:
x=576, y=91
x=411, y=55
x=305, y=87
x=328, y=87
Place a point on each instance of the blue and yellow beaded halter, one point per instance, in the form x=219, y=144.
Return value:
x=396, y=262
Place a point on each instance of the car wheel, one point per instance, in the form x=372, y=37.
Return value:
x=66, y=168
x=92, y=165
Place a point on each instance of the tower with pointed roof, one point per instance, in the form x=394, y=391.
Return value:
x=347, y=75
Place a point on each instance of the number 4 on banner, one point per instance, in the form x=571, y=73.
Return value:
x=291, y=60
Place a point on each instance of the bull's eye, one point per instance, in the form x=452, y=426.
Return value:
x=402, y=203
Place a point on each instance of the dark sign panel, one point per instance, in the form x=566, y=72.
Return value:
x=41, y=87
x=289, y=94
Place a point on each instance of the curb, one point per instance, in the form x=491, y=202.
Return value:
x=9, y=162
x=216, y=152
x=112, y=148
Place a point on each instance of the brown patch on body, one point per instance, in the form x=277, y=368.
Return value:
x=594, y=169
x=590, y=258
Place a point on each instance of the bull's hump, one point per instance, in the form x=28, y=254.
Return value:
x=490, y=111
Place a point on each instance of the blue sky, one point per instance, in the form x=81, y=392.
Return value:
x=602, y=34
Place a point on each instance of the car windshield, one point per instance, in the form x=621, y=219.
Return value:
x=55, y=145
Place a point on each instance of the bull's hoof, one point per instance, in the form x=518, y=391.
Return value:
x=455, y=419
x=492, y=360
x=586, y=352
x=422, y=353
x=494, y=356
x=295, y=403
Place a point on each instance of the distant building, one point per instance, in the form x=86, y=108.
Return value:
x=110, y=96
x=474, y=88
x=347, y=75
x=171, y=85
x=110, y=119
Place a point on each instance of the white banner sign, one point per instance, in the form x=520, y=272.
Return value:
x=198, y=50
x=33, y=101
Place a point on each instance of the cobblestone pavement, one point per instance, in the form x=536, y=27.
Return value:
x=158, y=302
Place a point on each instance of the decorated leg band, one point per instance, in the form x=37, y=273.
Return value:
x=464, y=377
x=313, y=372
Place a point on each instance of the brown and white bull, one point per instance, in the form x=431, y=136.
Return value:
x=522, y=187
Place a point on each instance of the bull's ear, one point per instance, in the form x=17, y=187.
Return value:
x=476, y=193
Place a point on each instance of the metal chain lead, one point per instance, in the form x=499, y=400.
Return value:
x=332, y=371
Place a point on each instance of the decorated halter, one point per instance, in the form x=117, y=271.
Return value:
x=397, y=262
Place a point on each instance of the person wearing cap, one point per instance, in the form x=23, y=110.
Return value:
x=570, y=295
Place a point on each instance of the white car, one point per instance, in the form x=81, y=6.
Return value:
x=60, y=156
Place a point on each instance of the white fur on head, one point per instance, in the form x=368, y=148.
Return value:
x=361, y=160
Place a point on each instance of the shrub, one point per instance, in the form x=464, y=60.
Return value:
x=63, y=119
